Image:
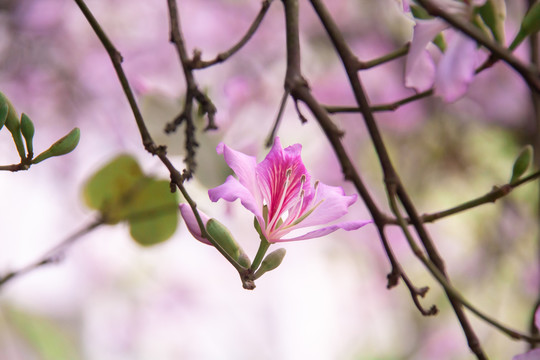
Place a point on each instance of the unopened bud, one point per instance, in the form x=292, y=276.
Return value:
x=270, y=262
x=224, y=238
x=522, y=163
x=61, y=147
x=28, y=130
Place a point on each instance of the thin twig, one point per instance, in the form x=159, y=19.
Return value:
x=159, y=151
x=54, y=255
x=379, y=108
x=197, y=63
x=363, y=65
x=443, y=280
x=300, y=92
x=193, y=93
x=495, y=194
x=116, y=59
x=272, y=135
x=15, y=167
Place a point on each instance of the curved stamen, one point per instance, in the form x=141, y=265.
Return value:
x=276, y=214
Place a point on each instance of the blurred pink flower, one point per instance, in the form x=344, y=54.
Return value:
x=533, y=354
x=279, y=192
x=455, y=70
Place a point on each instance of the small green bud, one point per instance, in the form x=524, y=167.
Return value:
x=529, y=25
x=13, y=125
x=61, y=147
x=28, y=130
x=270, y=262
x=522, y=163
x=223, y=237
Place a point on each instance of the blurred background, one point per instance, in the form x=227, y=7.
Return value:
x=111, y=299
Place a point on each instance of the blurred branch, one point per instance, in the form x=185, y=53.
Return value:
x=296, y=84
x=391, y=178
x=52, y=256
x=443, y=279
x=193, y=93
x=197, y=63
x=176, y=178
x=496, y=193
x=116, y=59
x=379, y=108
x=529, y=74
x=534, y=56
x=272, y=135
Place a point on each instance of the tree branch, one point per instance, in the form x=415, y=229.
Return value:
x=197, y=63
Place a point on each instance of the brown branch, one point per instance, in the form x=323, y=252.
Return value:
x=390, y=176
x=116, y=59
x=176, y=178
x=295, y=83
x=52, y=256
x=379, y=108
x=272, y=135
x=495, y=194
x=197, y=63
x=363, y=65
x=193, y=93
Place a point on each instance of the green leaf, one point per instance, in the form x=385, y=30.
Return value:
x=109, y=190
x=152, y=212
x=47, y=339
x=529, y=25
x=522, y=163
x=121, y=192
x=61, y=147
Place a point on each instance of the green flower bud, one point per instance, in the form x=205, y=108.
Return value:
x=223, y=237
x=270, y=262
x=27, y=129
x=61, y=147
x=13, y=125
x=522, y=163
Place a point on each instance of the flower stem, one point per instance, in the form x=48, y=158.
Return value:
x=263, y=247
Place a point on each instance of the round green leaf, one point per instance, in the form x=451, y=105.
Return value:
x=110, y=189
x=152, y=213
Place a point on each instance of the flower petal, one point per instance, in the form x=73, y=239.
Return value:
x=419, y=70
x=529, y=355
x=231, y=190
x=351, y=225
x=282, y=176
x=456, y=68
x=333, y=205
x=243, y=166
x=191, y=222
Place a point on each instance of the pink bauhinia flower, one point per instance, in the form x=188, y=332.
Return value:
x=455, y=70
x=278, y=191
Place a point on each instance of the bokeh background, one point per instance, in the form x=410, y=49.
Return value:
x=111, y=299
